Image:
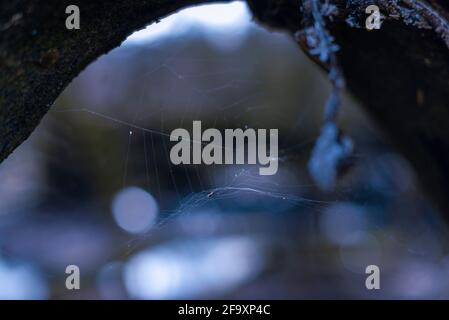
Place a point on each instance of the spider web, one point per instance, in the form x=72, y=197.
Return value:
x=173, y=92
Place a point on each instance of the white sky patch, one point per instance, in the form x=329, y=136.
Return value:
x=232, y=19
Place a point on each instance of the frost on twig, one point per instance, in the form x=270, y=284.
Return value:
x=330, y=156
x=333, y=150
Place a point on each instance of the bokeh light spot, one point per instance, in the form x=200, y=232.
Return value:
x=134, y=209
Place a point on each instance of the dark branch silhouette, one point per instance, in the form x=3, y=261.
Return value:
x=399, y=73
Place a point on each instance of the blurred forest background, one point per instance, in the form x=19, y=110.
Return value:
x=94, y=186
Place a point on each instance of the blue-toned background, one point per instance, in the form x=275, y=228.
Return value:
x=94, y=186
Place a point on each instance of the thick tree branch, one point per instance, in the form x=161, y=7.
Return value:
x=399, y=73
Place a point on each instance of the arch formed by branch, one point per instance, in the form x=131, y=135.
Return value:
x=400, y=73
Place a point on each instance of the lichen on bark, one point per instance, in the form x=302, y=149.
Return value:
x=400, y=73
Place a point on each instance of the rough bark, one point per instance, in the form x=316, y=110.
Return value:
x=399, y=73
x=39, y=56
